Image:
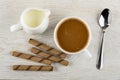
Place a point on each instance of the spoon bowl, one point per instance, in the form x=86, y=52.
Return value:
x=104, y=18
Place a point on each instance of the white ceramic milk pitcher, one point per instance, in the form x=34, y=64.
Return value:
x=33, y=21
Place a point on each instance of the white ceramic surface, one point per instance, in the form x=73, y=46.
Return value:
x=81, y=67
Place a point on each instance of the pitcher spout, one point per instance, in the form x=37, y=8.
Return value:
x=47, y=12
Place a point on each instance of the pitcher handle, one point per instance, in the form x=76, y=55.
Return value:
x=15, y=27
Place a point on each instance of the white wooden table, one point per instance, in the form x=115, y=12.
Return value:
x=81, y=67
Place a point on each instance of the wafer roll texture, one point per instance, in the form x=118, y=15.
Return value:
x=47, y=48
x=32, y=68
x=31, y=57
x=49, y=56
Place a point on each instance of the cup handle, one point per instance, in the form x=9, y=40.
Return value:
x=88, y=53
x=15, y=27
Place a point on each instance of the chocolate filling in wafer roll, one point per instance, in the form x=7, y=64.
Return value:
x=32, y=68
x=31, y=57
x=47, y=48
x=49, y=56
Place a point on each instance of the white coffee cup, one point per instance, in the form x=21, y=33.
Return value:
x=33, y=21
x=56, y=41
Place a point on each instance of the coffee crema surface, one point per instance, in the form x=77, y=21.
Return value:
x=72, y=35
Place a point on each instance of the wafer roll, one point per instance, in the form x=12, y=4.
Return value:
x=32, y=68
x=47, y=48
x=49, y=56
x=31, y=57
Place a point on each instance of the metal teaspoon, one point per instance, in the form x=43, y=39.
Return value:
x=104, y=22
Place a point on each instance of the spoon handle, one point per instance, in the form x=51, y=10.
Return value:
x=100, y=56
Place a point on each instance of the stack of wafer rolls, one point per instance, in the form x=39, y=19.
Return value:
x=43, y=54
x=47, y=48
x=49, y=56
